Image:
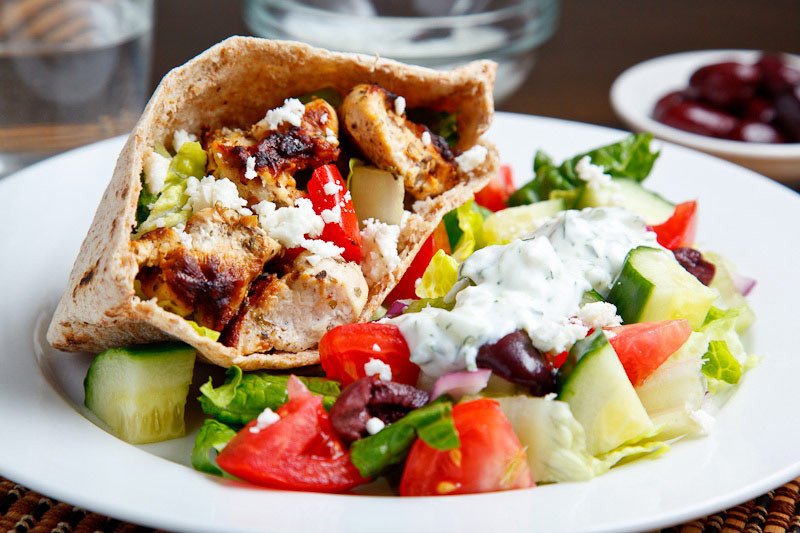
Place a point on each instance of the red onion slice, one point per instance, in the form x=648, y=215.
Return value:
x=743, y=284
x=458, y=384
x=396, y=309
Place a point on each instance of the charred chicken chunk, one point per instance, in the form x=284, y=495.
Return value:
x=204, y=271
x=293, y=311
x=276, y=152
x=396, y=144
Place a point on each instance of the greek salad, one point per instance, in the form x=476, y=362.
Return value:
x=543, y=334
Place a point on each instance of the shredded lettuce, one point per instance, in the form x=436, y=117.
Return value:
x=146, y=199
x=441, y=123
x=418, y=305
x=433, y=424
x=244, y=396
x=210, y=440
x=439, y=277
x=470, y=222
x=204, y=331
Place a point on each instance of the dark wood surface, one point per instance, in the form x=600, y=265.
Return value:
x=595, y=41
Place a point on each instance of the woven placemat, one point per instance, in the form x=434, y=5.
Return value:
x=23, y=511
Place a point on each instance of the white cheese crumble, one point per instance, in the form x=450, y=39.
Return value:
x=376, y=348
x=472, y=158
x=426, y=138
x=291, y=111
x=332, y=215
x=330, y=137
x=399, y=105
x=376, y=367
x=320, y=249
x=185, y=238
x=331, y=187
x=156, y=167
x=324, y=118
x=289, y=225
x=180, y=137
x=599, y=315
x=210, y=192
x=596, y=179
x=265, y=420
x=374, y=425
x=379, y=248
x=250, y=168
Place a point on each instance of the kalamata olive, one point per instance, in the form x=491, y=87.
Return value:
x=760, y=109
x=693, y=262
x=700, y=119
x=787, y=108
x=756, y=132
x=727, y=85
x=777, y=76
x=516, y=359
x=667, y=101
x=371, y=397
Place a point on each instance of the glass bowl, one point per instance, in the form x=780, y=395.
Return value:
x=432, y=33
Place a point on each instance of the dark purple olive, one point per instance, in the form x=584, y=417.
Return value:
x=777, y=76
x=726, y=85
x=759, y=109
x=756, y=132
x=668, y=101
x=516, y=359
x=694, y=263
x=700, y=119
x=787, y=108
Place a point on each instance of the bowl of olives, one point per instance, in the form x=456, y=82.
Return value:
x=740, y=105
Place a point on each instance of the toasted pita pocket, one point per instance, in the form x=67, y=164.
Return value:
x=233, y=84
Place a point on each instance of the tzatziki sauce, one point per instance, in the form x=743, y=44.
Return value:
x=535, y=284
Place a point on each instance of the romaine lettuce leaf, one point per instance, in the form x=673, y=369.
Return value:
x=439, y=277
x=720, y=364
x=210, y=440
x=470, y=222
x=204, y=331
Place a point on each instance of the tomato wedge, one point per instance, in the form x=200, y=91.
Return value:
x=344, y=350
x=642, y=348
x=342, y=230
x=490, y=458
x=496, y=193
x=679, y=229
x=300, y=451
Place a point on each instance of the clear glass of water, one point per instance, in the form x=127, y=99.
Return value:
x=71, y=72
x=431, y=33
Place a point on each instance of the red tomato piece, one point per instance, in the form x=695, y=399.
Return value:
x=559, y=359
x=496, y=193
x=490, y=458
x=344, y=350
x=679, y=229
x=406, y=287
x=344, y=233
x=642, y=348
x=300, y=451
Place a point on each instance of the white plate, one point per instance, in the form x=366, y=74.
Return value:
x=635, y=92
x=48, y=444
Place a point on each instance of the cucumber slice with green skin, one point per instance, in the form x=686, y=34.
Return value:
x=140, y=391
x=652, y=207
x=653, y=286
x=601, y=396
x=512, y=223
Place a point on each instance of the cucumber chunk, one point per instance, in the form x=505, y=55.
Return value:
x=601, y=396
x=140, y=391
x=376, y=194
x=653, y=286
x=512, y=223
x=652, y=207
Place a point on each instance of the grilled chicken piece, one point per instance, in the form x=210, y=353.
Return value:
x=395, y=144
x=293, y=312
x=203, y=272
x=278, y=153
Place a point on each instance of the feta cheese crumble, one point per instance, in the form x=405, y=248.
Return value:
x=210, y=192
x=250, y=168
x=291, y=111
x=376, y=348
x=472, y=158
x=330, y=188
x=399, y=105
x=332, y=215
x=180, y=137
x=289, y=225
x=330, y=137
x=379, y=248
x=598, y=315
x=374, y=425
x=426, y=138
x=596, y=179
x=156, y=167
x=320, y=249
x=376, y=367
x=265, y=420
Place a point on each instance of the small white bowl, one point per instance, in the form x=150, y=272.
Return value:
x=635, y=92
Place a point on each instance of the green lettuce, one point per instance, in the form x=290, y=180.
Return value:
x=470, y=222
x=244, y=396
x=439, y=276
x=720, y=364
x=146, y=199
x=210, y=440
x=204, y=331
x=433, y=424
x=442, y=123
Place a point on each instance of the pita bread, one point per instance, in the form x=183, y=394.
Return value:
x=233, y=84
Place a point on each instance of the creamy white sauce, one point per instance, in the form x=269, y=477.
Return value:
x=535, y=284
